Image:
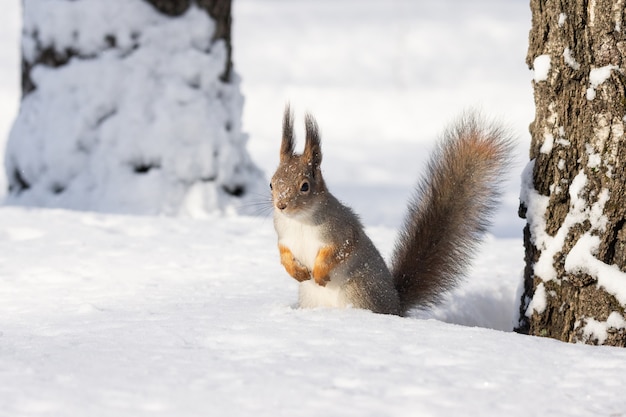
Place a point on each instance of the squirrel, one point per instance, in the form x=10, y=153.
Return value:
x=323, y=245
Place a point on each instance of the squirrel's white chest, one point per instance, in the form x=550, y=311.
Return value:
x=303, y=240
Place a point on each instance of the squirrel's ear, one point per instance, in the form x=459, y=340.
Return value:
x=288, y=143
x=313, y=145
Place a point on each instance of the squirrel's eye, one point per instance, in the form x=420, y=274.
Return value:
x=304, y=187
x=271, y=188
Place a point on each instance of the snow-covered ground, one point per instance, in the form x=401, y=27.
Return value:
x=131, y=316
x=104, y=315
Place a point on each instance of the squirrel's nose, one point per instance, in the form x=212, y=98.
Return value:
x=281, y=205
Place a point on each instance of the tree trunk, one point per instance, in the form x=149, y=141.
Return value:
x=574, y=192
x=129, y=106
x=219, y=10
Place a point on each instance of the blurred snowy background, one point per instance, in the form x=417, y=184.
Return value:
x=382, y=78
x=10, y=27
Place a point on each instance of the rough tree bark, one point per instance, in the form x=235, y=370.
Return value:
x=574, y=196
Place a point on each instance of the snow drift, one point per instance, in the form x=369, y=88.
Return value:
x=137, y=121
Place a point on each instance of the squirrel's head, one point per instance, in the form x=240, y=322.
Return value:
x=297, y=183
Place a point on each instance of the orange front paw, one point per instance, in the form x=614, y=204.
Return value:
x=328, y=258
x=325, y=261
x=292, y=265
x=321, y=279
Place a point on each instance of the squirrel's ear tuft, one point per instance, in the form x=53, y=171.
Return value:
x=288, y=144
x=313, y=145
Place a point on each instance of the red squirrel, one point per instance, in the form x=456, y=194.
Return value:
x=323, y=245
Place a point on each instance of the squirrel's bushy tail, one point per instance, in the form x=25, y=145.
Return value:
x=450, y=210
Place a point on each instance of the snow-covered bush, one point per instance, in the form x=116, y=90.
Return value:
x=137, y=120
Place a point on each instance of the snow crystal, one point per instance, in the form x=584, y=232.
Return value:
x=616, y=321
x=580, y=211
x=569, y=59
x=562, y=17
x=536, y=205
x=581, y=259
x=541, y=67
x=597, y=330
x=591, y=94
x=539, y=301
x=594, y=158
x=132, y=125
x=597, y=76
x=555, y=189
x=596, y=212
x=548, y=143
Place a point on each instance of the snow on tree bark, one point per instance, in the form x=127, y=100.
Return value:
x=574, y=188
x=129, y=106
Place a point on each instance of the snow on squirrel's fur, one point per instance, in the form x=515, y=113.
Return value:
x=138, y=122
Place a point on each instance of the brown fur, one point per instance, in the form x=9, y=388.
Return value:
x=446, y=220
x=450, y=211
x=288, y=143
